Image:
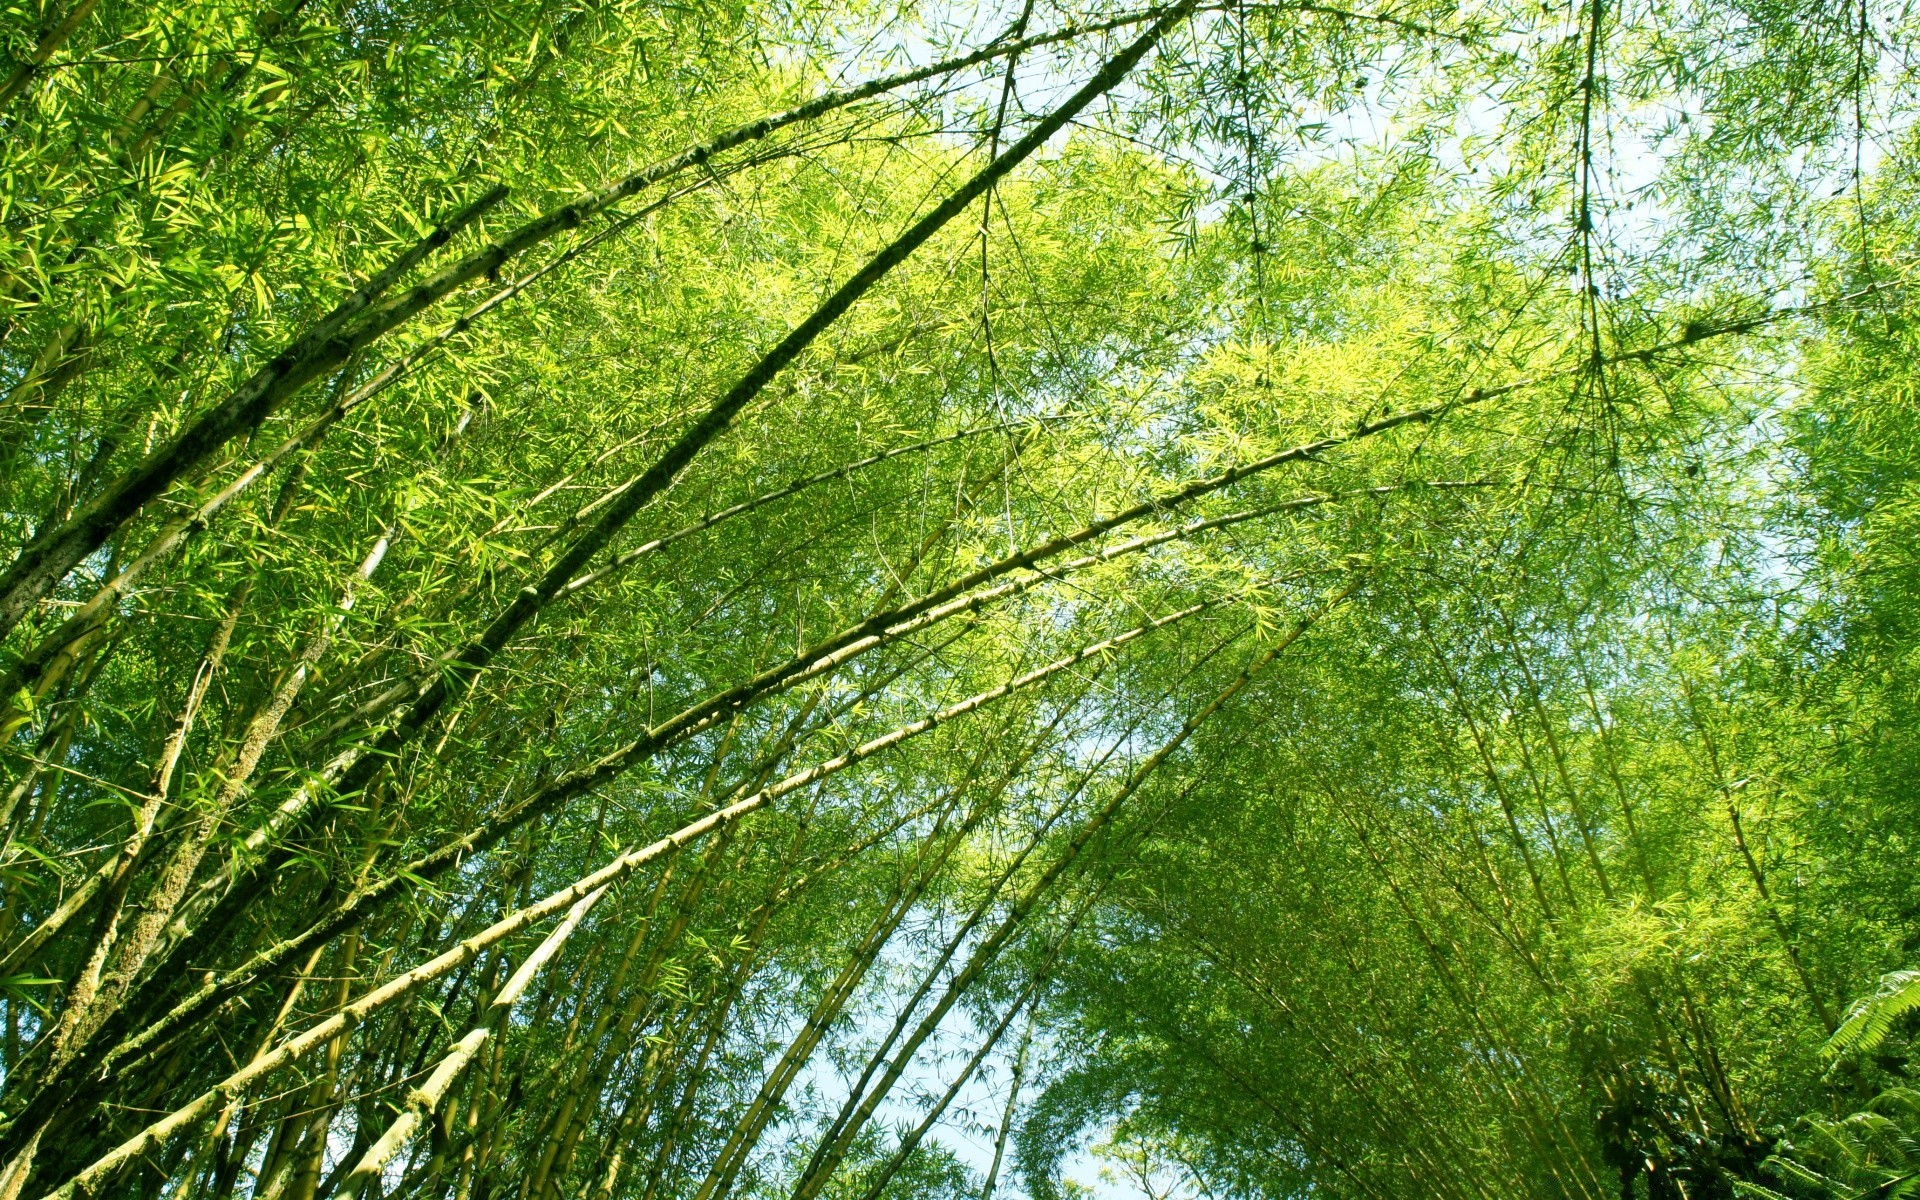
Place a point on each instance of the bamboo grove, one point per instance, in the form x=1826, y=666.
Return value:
x=847, y=600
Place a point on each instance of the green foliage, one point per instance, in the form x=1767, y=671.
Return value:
x=1496, y=798
x=1872, y=1018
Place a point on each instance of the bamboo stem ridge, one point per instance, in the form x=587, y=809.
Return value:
x=99, y=1174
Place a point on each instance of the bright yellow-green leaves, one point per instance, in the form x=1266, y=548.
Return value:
x=1543, y=862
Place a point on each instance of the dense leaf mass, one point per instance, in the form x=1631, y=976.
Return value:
x=1222, y=598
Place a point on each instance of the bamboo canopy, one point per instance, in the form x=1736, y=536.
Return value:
x=805, y=600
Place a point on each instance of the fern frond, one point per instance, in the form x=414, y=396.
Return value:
x=1871, y=1018
x=1800, y=1173
x=1897, y=1098
x=1834, y=1141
